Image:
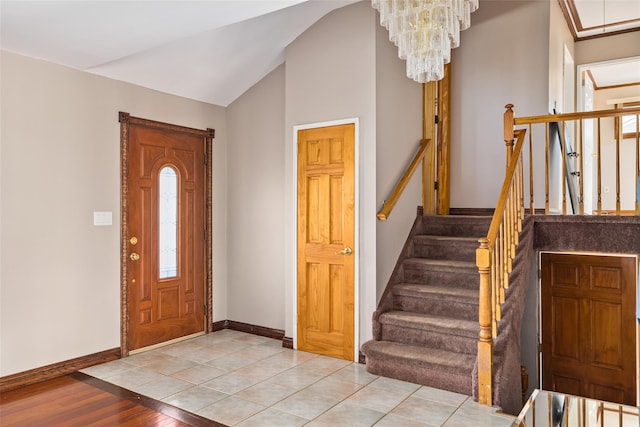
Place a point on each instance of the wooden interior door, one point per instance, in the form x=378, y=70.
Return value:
x=166, y=232
x=326, y=220
x=589, y=326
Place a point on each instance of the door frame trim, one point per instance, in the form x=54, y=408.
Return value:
x=208, y=135
x=356, y=265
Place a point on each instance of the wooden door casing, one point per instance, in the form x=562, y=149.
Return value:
x=588, y=326
x=326, y=226
x=157, y=310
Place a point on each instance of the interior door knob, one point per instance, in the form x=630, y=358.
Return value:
x=345, y=251
x=134, y=256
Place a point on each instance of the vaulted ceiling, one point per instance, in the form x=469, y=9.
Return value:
x=596, y=18
x=213, y=50
x=210, y=50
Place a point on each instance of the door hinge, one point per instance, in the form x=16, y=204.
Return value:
x=437, y=119
x=435, y=185
x=206, y=159
x=205, y=234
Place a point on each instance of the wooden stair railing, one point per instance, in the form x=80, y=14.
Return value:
x=388, y=205
x=496, y=252
x=493, y=259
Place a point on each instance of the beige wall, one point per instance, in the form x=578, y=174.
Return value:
x=256, y=224
x=559, y=37
x=330, y=75
x=60, y=142
x=344, y=67
x=503, y=58
x=398, y=134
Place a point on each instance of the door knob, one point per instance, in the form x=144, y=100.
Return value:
x=345, y=251
x=134, y=256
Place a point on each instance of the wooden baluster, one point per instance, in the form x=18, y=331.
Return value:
x=532, y=208
x=581, y=170
x=521, y=204
x=501, y=238
x=514, y=208
x=618, y=137
x=505, y=257
x=510, y=249
x=599, y=171
x=485, y=337
x=564, y=169
x=509, y=220
x=637, y=164
x=508, y=131
x=494, y=288
x=546, y=168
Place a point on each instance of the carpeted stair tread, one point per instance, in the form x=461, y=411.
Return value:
x=441, y=292
x=456, y=225
x=450, y=239
x=426, y=322
x=434, y=358
x=442, y=264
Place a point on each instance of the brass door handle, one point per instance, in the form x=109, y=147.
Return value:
x=134, y=256
x=345, y=251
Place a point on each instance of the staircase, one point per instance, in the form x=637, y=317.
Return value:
x=426, y=325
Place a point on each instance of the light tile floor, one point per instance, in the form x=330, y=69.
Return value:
x=241, y=379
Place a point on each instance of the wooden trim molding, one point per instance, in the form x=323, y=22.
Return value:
x=123, y=118
x=147, y=402
x=263, y=331
x=54, y=370
x=208, y=315
x=219, y=325
x=287, y=342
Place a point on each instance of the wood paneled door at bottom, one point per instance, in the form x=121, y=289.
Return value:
x=589, y=326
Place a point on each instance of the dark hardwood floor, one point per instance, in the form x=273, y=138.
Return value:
x=80, y=400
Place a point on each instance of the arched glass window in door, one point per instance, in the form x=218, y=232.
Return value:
x=168, y=223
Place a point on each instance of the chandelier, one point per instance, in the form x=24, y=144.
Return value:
x=425, y=31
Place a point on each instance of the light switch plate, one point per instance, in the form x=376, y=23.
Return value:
x=102, y=218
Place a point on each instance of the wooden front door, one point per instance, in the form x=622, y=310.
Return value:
x=589, y=326
x=326, y=220
x=166, y=230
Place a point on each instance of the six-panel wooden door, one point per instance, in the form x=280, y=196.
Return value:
x=326, y=218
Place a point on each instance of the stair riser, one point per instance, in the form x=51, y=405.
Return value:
x=458, y=251
x=451, y=227
x=436, y=307
x=432, y=377
x=460, y=279
x=431, y=339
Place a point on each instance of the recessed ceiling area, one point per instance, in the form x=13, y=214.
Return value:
x=597, y=18
x=611, y=75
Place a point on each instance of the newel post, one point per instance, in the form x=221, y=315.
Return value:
x=485, y=341
x=509, y=136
